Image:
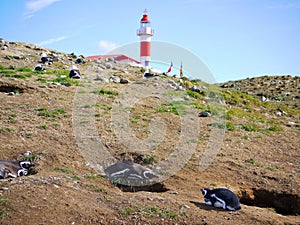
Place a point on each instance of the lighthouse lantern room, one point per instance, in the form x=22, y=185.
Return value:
x=145, y=32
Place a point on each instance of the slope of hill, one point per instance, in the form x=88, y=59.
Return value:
x=247, y=145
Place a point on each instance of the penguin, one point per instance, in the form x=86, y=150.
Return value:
x=39, y=67
x=221, y=198
x=44, y=58
x=129, y=170
x=14, y=169
x=74, y=73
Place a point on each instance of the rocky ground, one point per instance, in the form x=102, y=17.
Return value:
x=74, y=127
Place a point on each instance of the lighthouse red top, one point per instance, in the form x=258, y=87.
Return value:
x=145, y=17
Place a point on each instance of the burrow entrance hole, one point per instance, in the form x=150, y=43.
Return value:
x=144, y=161
x=282, y=203
x=11, y=88
x=157, y=187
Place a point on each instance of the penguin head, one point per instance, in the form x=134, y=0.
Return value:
x=24, y=164
x=204, y=191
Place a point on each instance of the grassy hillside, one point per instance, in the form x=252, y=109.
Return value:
x=74, y=128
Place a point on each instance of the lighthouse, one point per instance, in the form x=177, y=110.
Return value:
x=145, y=32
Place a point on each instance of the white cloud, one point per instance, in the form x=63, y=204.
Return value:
x=106, y=46
x=34, y=6
x=52, y=40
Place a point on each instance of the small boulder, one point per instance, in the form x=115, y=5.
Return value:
x=124, y=81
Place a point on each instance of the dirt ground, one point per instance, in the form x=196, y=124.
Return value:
x=49, y=119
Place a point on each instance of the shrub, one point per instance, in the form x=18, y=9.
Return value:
x=252, y=161
x=251, y=128
x=105, y=92
x=149, y=159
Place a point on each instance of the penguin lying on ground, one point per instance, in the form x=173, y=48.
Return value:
x=129, y=171
x=13, y=169
x=221, y=198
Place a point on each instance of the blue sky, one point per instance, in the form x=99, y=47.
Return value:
x=234, y=38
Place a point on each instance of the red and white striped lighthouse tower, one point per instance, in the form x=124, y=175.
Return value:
x=145, y=32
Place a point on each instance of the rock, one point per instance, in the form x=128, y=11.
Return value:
x=183, y=207
x=110, y=59
x=170, y=86
x=55, y=58
x=17, y=57
x=290, y=124
x=187, y=98
x=108, y=65
x=114, y=79
x=188, y=84
x=103, y=79
x=124, y=81
x=179, y=88
x=102, y=67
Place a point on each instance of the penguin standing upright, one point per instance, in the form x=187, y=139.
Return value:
x=74, y=73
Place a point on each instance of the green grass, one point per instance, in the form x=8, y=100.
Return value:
x=75, y=177
x=252, y=162
x=275, y=127
x=271, y=168
x=31, y=157
x=149, y=159
x=154, y=211
x=105, y=92
x=24, y=69
x=272, y=210
x=93, y=176
x=3, y=213
x=4, y=201
x=41, y=79
x=7, y=129
x=43, y=127
x=128, y=211
x=239, y=99
x=28, y=135
x=51, y=113
x=64, y=170
x=194, y=94
x=66, y=80
x=12, y=121
x=169, y=107
x=250, y=128
x=228, y=126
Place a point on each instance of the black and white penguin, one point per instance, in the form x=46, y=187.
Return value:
x=129, y=170
x=13, y=169
x=221, y=198
x=74, y=73
x=44, y=58
x=39, y=67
